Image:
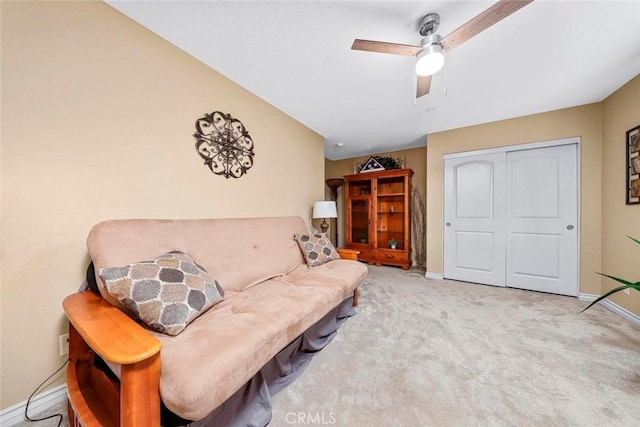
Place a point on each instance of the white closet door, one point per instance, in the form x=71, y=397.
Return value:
x=474, y=216
x=541, y=220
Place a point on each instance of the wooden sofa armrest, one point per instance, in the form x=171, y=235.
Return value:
x=348, y=253
x=94, y=400
x=108, y=331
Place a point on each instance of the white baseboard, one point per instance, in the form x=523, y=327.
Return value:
x=39, y=403
x=587, y=297
x=620, y=311
x=434, y=276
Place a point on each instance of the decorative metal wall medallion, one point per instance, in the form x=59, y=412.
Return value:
x=224, y=144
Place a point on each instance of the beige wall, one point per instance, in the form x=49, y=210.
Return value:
x=619, y=254
x=584, y=121
x=415, y=159
x=97, y=121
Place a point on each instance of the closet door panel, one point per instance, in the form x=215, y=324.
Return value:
x=474, y=236
x=542, y=206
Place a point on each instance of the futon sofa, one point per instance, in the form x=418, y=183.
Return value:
x=262, y=295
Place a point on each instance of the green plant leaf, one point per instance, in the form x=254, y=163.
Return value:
x=635, y=286
x=635, y=240
x=617, y=279
x=625, y=284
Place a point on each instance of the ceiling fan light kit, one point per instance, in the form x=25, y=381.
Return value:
x=430, y=60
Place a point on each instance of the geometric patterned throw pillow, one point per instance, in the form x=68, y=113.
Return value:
x=316, y=248
x=166, y=293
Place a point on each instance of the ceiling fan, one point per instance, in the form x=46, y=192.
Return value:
x=430, y=54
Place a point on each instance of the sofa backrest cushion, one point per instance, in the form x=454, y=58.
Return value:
x=237, y=252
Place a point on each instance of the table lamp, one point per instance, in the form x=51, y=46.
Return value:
x=324, y=209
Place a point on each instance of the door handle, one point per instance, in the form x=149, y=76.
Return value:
x=569, y=227
x=448, y=224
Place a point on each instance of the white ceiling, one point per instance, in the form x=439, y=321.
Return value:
x=296, y=55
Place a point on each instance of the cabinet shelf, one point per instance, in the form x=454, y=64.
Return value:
x=391, y=213
x=380, y=215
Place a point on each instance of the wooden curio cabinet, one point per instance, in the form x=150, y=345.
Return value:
x=377, y=213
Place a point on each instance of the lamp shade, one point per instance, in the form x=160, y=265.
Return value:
x=325, y=209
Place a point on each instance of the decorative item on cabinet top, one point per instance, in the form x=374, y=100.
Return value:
x=224, y=144
x=378, y=163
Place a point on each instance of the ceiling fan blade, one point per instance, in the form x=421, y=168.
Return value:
x=384, y=47
x=481, y=22
x=423, y=85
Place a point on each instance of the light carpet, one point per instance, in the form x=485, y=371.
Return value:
x=442, y=353
x=426, y=352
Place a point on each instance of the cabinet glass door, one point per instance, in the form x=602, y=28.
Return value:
x=360, y=208
x=360, y=188
x=360, y=221
x=390, y=207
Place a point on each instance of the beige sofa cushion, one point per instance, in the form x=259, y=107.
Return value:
x=239, y=253
x=226, y=346
x=339, y=275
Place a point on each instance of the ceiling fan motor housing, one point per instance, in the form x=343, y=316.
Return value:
x=433, y=39
x=428, y=24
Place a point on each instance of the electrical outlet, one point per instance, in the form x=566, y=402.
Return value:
x=63, y=343
x=626, y=291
